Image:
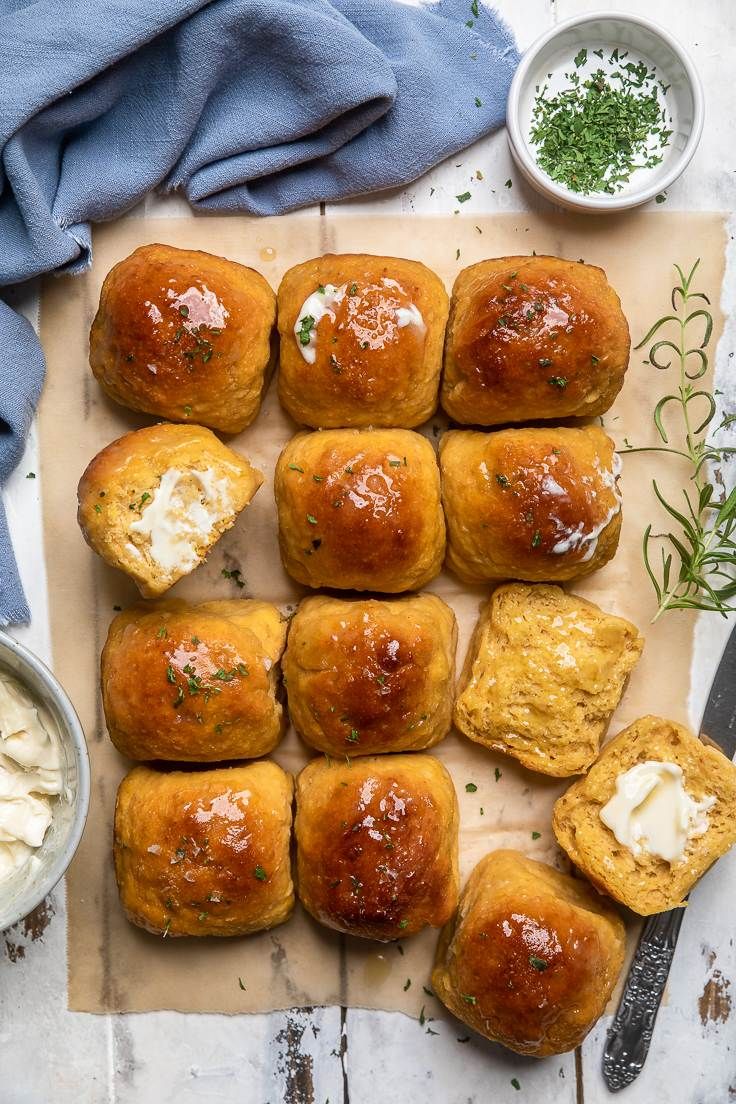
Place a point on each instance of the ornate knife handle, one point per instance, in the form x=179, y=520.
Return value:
x=629, y=1036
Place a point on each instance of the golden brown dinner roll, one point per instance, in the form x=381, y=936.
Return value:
x=543, y=674
x=154, y=502
x=194, y=683
x=377, y=843
x=534, y=504
x=205, y=852
x=360, y=509
x=368, y=676
x=531, y=957
x=361, y=341
x=531, y=338
x=653, y=813
x=184, y=335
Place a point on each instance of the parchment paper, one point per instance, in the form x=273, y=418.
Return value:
x=114, y=966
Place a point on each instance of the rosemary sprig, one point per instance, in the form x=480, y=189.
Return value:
x=698, y=559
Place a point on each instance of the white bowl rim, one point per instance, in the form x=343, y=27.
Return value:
x=56, y=870
x=599, y=202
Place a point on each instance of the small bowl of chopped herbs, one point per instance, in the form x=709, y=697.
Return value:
x=605, y=112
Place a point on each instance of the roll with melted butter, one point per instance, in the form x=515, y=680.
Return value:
x=155, y=501
x=655, y=810
x=361, y=341
x=542, y=505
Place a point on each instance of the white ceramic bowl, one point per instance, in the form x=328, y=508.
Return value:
x=645, y=40
x=28, y=887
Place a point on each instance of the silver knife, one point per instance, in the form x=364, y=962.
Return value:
x=629, y=1036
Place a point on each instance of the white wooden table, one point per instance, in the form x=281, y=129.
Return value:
x=341, y=1056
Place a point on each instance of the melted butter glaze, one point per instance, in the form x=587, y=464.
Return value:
x=356, y=346
x=549, y=505
x=376, y=855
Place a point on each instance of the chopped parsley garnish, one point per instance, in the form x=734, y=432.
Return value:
x=515, y=1083
x=31, y=475
x=463, y=198
x=234, y=574
x=497, y=773
x=468, y=998
x=536, y=539
x=352, y=289
x=260, y=873
x=470, y=787
x=407, y=984
x=502, y=481
x=539, y=964
x=240, y=984
x=536, y=835
x=403, y=924
x=306, y=325
x=478, y=103
x=558, y=381
x=354, y=736
x=544, y=362
x=187, y=411
x=594, y=359
x=161, y=633
x=184, y=310
x=311, y=519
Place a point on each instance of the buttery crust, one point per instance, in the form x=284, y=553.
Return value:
x=377, y=844
x=544, y=672
x=120, y=484
x=368, y=369
x=371, y=676
x=533, y=338
x=205, y=852
x=184, y=335
x=540, y=505
x=531, y=957
x=646, y=883
x=194, y=683
x=360, y=509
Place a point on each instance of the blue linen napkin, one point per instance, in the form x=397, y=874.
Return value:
x=260, y=106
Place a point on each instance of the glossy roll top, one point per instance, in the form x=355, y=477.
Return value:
x=360, y=509
x=533, y=338
x=377, y=844
x=194, y=683
x=533, y=504
x=367, y=676
x=184, y=335
x=205, y=852
x=360, y=341
x=531, y=957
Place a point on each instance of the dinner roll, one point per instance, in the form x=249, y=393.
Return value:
x=653, y=813
x=360, y=509
x=369, y=676
x=360, y=341
x=533, y=504
x=184, y=335
x=544, y=672
x=377, y=844
x=154, y=502
x=532, y=338
x=531, y=957
x=194, y=683
x=204, y=852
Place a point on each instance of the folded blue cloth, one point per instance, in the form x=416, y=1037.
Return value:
x=260, y=106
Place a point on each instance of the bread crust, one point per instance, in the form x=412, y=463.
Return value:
x=531, y=957
x=121, y=482
x=377, y=844
x=184, y=335
x=369, y=370
x=360, y=510
x=540, y=504
x=194, y=683
x=533, y=338
x=365, y=677
x=205, y=852
x=544, y=672
x=645, y=883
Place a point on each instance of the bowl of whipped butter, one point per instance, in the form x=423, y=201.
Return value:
x=44, y=781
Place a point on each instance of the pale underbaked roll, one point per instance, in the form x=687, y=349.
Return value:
x=360, y=509
x=681, y=795
x=531, y=957
x=205, y=852
x=154, y=502
x=540, y=505
x=371, y=676
x=184, y=335
x=194, y=683
x=544, y=672
x=533, y=338
x=360, y=341
x=377, y=844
